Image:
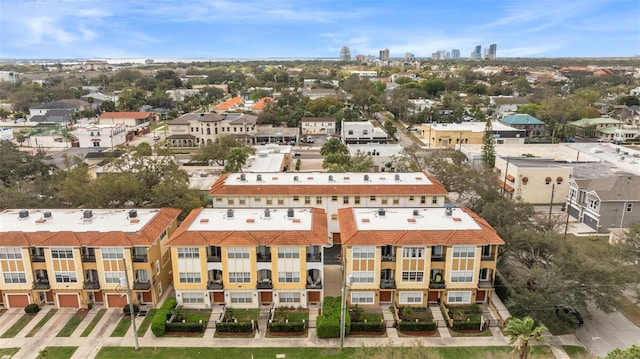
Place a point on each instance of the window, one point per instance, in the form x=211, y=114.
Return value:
x=593, y=203
x=239, y=277
x=113, y=277
x=242, y=201
x=230, y=200
x=384, y=200
x=257, y=199
x=629, y=207
x=362, y=277
x=372, y=198
x=423, y=199
x=356, y=199
x=66, y=277
x=319, y=200
x=241, y=298
x=289, y=297
x=413, y=276
x=237, y=253
x=296, y=198
x=14, y=277
x=459, y=297
x=413, y=252
x=361, y=297
x=410, y=297
x=464, y=251
x=280, y=201
x=190, y=277
x=461, y=276
x=61, y=253
x=434, y=200
x=157, y=266
x=288, y=253
x=334, y=198
x=192, y=298
x=160, y=289
x=334, y=216
x=269, y=200
x=345, y=200
x=188, y=253
x=436, y=251
x=364, y=252
x=410, y=198
x=289, y=277
x=10, y=253
x=112, y=253
x=307, y=199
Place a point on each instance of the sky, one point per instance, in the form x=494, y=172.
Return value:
x=259, y=29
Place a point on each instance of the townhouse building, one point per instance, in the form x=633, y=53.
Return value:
x=247, y=257
x=78, y=257
x=415, y=256
x=329, y=191
x=195, y=129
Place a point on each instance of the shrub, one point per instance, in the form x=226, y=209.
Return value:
x=185, y=327
x=417, y=326
x=328, y=324
x=230, y=327
x=367, y=327
x=159, y=321
x=32, y=308
x=464, y=325
x=127, y=310
x=287, y=327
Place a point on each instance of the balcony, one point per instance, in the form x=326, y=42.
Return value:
x=437, y=258
x=91, y=284
x=139, y=258
x=314, y=257
x=437, y=284
x=314, y=285
x=485, y=284
x=488, y=257
x=387, y=284
x=263, y=257
x=388, y=258
x=37, y=258
x=89, y=258
x=211, y=259
x=264, y=284
x=215, y=285
x=41, y=284
x=139, y=285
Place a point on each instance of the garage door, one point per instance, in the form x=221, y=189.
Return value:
x=68, y=301
x=591, y=222
x=18, y=300
x=116, y=300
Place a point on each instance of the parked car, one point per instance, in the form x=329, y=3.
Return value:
x=296, y=154
x=569, y=311
x=412, y=129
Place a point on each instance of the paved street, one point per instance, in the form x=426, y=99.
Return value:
x=604, y=332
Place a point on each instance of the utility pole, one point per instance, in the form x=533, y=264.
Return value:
x=130, y=300
x=553, y=191
x=566, y=223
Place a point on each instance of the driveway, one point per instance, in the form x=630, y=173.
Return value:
x=604, y=332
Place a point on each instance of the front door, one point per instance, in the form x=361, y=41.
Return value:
x=266, y=297
x=481, y=296
x=385, y=296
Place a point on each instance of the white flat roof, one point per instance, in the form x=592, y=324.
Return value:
x=386, y=150
x=103, y=220
x=427, y=219
x=323, y=179
x=471, y=126
x=216, y=219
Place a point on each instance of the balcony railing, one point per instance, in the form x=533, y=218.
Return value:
x=214, y=259
x=264, y=257
x=314, y=257
x=437, y=285
x=37, y=258
x=488, y=257
x=41, y=284
x=138, y=285
x=388, y=258
x=91, y=284
x=314, y=285
x=387, y=284
x=437, y=258
x=88, y=258
x=264, y=284
x=139, y=258
x=215, y=284
x=485, y=284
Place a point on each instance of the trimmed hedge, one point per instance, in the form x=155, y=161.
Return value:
x=367, y=327
x=185, y=327
x=159, y=321
x=127, y=311
x=32, y=308
x=287, y=327
x=230, y=327
x=466, y=308
x=464, y=325
x=328, y=324
x=417, y=326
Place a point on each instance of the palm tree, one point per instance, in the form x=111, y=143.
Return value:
x=521, y=331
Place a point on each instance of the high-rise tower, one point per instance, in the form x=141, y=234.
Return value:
x=345, y=54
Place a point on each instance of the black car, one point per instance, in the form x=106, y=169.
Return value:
x=569, y=312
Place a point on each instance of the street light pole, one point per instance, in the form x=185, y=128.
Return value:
x=553, y=191
x=130, y=300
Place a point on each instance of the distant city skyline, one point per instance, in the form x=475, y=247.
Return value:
x=216, y=29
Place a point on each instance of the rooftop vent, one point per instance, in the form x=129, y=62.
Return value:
x=133, y=213
x=411, y=220
x=87, y=214
x=381, y=212
x=366, y=178
x=259, y=178
x=47, y=214
x=296, y=178
x=290, y=212
x=448, y=211
x=267, y=213
x=230, y=213
x=397, y=177
x=243, y=177
x=23, y=214
x=204, y=220
x=416, y=213
x=330, y=178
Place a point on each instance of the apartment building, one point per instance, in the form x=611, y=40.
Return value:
x=416, y=256
x=248, y=257
x=75, y=257
x=193, y=129
x=329, y=191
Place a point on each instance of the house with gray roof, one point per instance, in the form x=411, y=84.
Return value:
x=531, y=125
x=592, y=127
x=605, y=202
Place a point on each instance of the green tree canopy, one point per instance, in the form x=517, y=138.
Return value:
x=488, y=146
x=521, y=332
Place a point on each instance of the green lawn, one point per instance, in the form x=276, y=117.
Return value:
x=8, y=351
x=577, y=352
x=72, y=324
x=42, y=322
x=122, y=327
x=539, y=352
x=146, y=322
x=57, y=352
x=93, y=323
x=17, y=327
x=244, y=315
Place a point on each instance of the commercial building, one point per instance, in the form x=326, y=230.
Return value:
x=416, y=256
x=249, y=257
x=102, y=135
x=75, y=258
x=384, y=55
x=453, y=135
x=345, y=54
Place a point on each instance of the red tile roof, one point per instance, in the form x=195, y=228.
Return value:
x=262, y=103
x=228, y=104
